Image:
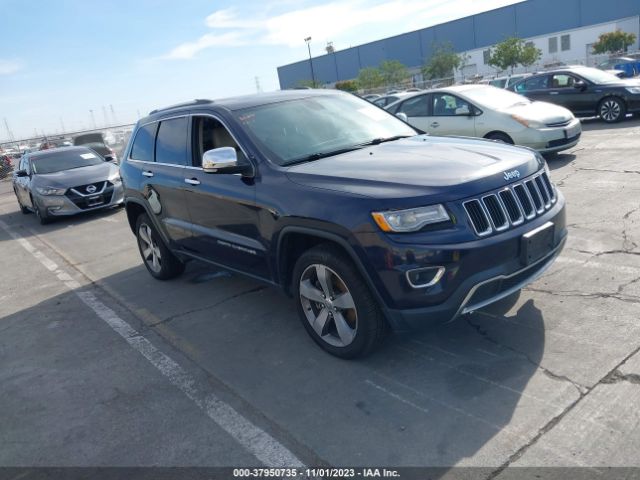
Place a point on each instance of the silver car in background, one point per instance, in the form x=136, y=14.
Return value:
x=66, y=181
x=493, y=113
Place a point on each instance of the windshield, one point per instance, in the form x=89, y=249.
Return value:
x=60, y=160
x=596, y=76
x=495, y=98
x=319, y=126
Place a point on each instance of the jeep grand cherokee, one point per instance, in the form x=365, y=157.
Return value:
x=359, y=217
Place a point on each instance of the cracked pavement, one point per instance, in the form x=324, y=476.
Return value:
x=549, y=377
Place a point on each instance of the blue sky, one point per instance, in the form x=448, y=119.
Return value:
x=61, y=58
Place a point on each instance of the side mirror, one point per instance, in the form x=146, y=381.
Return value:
x=579, y=85
x=463, y=110
x=223, y=160
x=22, y=173
x=402, y=116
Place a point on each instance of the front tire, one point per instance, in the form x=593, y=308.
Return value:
x=612, y=110
x=159, y=260
x=335, y=305
x=23, y=209
x=42, y=216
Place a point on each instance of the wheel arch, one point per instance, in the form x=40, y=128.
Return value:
x=134, y=209
x=498, y=132
x=294, y=240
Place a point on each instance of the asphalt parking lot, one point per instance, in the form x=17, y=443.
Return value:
x=102, y=365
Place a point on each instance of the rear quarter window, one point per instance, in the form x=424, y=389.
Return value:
x=142, y=148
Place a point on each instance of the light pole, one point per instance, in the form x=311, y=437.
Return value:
x=313, y=77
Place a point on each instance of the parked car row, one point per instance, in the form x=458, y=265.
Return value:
x=492, y=113
x=585, y=91
x=65, y=181
x=6, y=165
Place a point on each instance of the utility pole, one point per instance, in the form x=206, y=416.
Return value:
x=9, y=132
x=104, y=114
x=113, y=115
x=93, y=120
x=313, y=77
x=62, y=125
x=258, y=87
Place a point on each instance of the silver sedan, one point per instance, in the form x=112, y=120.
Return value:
x=66, y=181
x=493, y=113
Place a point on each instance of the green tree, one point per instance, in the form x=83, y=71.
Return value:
x=442, y=63
x=612, y=42
x=347, y=85
x=529, y=54
x=370, y=77
x=513, y=52
x=393, y=72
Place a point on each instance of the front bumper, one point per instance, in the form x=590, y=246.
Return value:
x=64, y=205
x=477, y=273
x=552, y=139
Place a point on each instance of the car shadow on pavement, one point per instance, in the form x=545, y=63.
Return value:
x=594, y=123
x=443, y=396
x=559, y=160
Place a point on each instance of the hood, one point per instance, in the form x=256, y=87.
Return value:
x=77, y=176
x=449, y=167
x=541, y=111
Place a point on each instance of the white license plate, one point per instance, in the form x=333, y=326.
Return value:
x=573, y=131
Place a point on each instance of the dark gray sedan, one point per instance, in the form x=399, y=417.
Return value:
x=66, y=181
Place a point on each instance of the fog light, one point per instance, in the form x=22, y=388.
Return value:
x=424, y=277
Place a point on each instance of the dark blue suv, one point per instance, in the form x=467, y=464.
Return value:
x=362, y=219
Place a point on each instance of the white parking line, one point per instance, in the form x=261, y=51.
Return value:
x=255, y=440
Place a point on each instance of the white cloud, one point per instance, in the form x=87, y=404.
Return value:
x=8, y=67
x=190, y=49
x=336, y=20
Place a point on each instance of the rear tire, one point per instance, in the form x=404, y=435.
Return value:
x=612, y=109
x=335, y=304
x=499, y=137
x=157, y=258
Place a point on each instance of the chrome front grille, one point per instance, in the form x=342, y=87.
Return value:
x=511, y=206
x=563, y=123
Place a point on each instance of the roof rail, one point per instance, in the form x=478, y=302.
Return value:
x=193, y=103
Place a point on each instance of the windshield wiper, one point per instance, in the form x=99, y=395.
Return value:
x=319, y=155
x=378, y=141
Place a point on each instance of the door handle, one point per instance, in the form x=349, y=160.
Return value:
x=147, y=173
x=554, y=93
x=192, y=181
x=435, y=124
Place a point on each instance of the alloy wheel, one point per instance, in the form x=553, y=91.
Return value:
x=328, y=305
x=149, y=248
x=610, y=110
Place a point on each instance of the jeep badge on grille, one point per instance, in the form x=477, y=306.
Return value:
x=512, y=174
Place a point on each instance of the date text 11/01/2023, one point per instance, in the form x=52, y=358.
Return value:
x=315, y=473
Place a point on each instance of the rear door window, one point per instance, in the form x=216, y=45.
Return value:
x=534, y=83
x=416, y=106
x=171, y=143
x=143, y=144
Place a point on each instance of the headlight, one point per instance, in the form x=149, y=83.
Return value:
x=527, y=123
x=50, y=191
x=410, y=220
x=116, y=180
x=635, y=90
